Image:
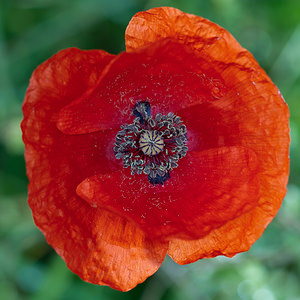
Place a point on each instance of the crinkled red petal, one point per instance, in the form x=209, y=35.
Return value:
x=207, y=190
x=167, y=75
x=98, y=245
x=224, y=192
x=199, y=34
x=252, y=114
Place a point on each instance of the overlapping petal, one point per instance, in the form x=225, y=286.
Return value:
x=252, y=114
x=201, y=35
x=209, y=189
x=91, y=246
x=167, y=75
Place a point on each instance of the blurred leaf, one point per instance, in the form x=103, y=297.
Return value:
x=57, y=279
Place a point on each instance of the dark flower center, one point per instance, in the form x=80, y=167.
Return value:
x=152, y=146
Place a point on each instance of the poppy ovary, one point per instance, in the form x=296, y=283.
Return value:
x=151, y=142
x=152, y=146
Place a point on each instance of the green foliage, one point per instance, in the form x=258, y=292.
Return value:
x=33, y=30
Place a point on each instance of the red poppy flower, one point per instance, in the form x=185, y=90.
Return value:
x=177, y=146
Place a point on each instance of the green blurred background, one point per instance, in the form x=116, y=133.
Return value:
x=33, y=30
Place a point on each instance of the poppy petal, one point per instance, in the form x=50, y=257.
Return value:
x=252, y=114
x=231, y=121
x=208, y=189
x=118, y=253
x=204, y=37
x=167, y=75
x=57, y=163
x=158, y=23
x=234, y=237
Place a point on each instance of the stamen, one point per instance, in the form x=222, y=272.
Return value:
x=151, y=145
x=142, y=110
